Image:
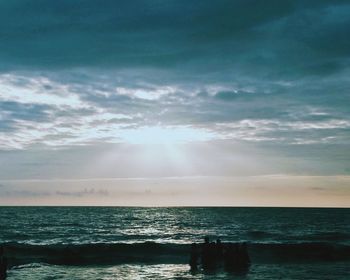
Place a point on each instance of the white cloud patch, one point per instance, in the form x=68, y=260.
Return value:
x=275, y=130
x=38, y=90
x=152, y=93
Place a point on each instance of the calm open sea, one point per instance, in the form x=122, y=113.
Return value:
x=153, y=243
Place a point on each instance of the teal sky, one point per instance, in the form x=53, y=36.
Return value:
x=175, y=103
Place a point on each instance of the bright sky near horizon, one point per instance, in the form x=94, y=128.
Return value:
x=242, y=102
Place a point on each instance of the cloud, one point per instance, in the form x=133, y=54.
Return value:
x=104, y=113
x=149, y=33
x=182, y=36
x=11, y=111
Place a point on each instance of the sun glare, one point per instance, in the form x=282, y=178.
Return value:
x=165, y=135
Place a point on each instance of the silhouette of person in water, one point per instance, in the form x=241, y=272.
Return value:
x=209, y=260
x=194, y=257
x=212, y=256
x=3, y=264
x=243, y=257
x=236, y=258
x=219, y=249
x=230, y=256
x=205, y=257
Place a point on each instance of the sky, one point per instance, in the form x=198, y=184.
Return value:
x=173, y=102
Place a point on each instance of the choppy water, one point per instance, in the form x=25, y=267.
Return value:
x=152, y=243
x=334, y=271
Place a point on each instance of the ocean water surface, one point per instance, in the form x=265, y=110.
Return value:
x=154, y=243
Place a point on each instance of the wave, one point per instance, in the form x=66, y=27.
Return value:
x=260, y=234
x=150, y=252
x=328, y=236
x=312, y=237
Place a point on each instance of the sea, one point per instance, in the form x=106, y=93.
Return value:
x=96, y=243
